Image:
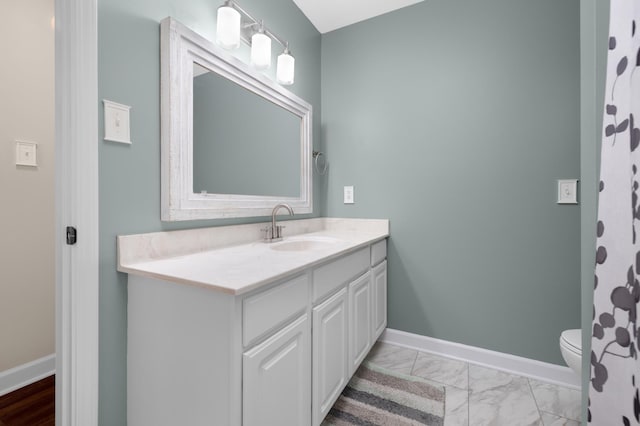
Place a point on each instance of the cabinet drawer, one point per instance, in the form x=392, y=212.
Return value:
x=378, y=252
x=264, y=311
x=331, y=276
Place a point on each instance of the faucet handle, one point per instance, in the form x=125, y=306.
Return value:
x=268, y=233
x=278, y=231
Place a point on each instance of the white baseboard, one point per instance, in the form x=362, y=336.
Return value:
x=543, y=371
x=26, y=374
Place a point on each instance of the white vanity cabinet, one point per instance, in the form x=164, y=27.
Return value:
x=203, y=357
x=278, y=354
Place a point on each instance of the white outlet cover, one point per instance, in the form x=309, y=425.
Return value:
x=116, y=122
x=26, y=154
x=348, y=195
x=568, y=191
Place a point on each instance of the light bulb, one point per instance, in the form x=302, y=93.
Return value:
x=228, y=27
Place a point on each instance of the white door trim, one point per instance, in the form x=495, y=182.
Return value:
x=76, y=82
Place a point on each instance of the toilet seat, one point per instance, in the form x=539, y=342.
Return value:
x=571, y=349
x=572, y=340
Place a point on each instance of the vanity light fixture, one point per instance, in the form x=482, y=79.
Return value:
x=235, y=24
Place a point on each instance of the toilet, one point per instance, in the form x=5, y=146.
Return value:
x=571, y=349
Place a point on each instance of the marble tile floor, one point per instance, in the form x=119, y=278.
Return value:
x=480, y=396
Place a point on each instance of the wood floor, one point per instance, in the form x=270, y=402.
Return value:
x=33, y=405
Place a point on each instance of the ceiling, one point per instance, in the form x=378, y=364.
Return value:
x=329, y=15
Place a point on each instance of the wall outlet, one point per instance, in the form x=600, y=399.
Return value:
x=348, y=195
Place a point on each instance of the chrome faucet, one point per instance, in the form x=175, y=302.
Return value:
x=273, y=233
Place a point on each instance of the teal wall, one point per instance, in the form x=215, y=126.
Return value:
x=594, y=28
x=129, y=73
x=454, y=119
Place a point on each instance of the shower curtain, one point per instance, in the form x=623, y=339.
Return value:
x=614, y=397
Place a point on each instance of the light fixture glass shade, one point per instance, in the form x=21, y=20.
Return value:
x=228, y=27
x=261, y=51
x=286, y=68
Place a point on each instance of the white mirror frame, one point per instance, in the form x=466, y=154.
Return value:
x=180, y=48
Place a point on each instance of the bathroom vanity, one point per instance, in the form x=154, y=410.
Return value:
x=224, y=329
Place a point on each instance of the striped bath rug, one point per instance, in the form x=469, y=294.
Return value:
x=379, y=397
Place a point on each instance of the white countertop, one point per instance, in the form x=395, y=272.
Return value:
x=234, y=260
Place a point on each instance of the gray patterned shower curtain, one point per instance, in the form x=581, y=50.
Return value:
x=614, y=397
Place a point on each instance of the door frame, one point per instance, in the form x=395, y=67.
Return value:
x=76, y=194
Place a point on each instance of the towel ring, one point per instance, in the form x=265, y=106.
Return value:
x=321, y=166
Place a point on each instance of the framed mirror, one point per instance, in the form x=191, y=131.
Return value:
x=234, y=143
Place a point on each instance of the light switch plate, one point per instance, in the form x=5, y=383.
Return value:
x=568, y=191
x=348, y=194
x=26, y=154
x=116, y=122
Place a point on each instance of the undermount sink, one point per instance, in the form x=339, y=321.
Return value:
x=304, y=243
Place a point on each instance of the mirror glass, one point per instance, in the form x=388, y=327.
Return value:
x=234, y=143
x=242, y=143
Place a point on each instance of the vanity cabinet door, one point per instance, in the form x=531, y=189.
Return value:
x=379, y=300
x=359, y=320
x=276, y=382
x=330, y=353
